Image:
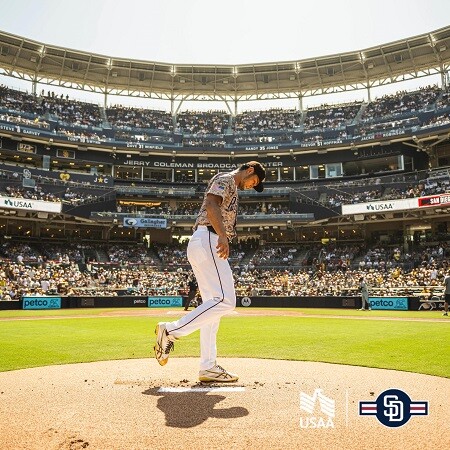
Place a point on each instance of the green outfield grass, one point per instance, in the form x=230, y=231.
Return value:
x=415, y=346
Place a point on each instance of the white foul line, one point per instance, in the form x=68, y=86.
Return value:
x=202, y=389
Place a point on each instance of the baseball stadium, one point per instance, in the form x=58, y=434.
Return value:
x=339, y=255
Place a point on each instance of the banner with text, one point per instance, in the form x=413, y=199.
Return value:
x=30, y=205
x=380, y=206
x=164, y=302
x=41, y=302
x=144, y=222
x=391, y=303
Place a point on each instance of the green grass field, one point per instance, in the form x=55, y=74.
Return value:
x=414, y=346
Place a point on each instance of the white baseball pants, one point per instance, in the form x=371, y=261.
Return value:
x=216, y=285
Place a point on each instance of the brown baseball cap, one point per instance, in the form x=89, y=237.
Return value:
x=260, y=171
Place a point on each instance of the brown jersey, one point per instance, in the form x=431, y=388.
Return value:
x=223, y=185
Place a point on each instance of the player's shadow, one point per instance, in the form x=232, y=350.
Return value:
x=189, y=409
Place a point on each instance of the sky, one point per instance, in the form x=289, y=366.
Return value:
x=231, y=32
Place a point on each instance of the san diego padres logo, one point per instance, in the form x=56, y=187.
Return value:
x=393, y=408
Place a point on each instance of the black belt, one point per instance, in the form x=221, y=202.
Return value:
x=211, y=228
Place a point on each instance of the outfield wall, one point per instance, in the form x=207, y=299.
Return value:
x=345, y=302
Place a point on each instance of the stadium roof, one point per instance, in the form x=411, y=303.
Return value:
x=414, y=57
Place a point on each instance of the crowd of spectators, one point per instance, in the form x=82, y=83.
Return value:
x=383, y=257
x=366, y=129
x=263, y=139
x=272, y=255
x=444, y=100
x=77, y=197
x=19, y=120
x=121, y=135
x=71, y=195
x=195, y=125
x=204, y=143
x=66, y=110
x=81, y=136
x=200, y=123
x=131, y=254
x=422, y=189
x=19, y=101
x=330, y=117
x=402, y=102
x=272, y=119
x=72, y=112
x=173, y=256
x=36, y=193
x=437, y=121
x=127, y=117
x=63, y=276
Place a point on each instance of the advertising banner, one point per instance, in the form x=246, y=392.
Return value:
x=144, y=222
x=380, y=206
x=41, y=302
x=391, y=303
x=30, y=205
x=434, y=200
x=164, y=302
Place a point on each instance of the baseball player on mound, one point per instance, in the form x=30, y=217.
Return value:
x=207, y=252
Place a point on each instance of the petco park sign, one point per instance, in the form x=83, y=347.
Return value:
x=29, y=205
x=164, y=301
x=41, y=302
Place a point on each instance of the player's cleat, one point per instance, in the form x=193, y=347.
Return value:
x=445, y=314
x=217, y=374
x=361, y=309
x=164, y=344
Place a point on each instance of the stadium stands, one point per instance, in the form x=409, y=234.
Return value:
x=276, y=253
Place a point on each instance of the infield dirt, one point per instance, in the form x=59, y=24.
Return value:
x=117, y=405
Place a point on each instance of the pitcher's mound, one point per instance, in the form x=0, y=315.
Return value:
x=136, y=404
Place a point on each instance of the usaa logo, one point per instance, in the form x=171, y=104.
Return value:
x=380, y=207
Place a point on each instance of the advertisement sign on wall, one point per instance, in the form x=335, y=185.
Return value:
x=164, y=302
x=380, y=206
x=41, y=302
x=144, y=222
x=392, y=303
x=30, y=205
